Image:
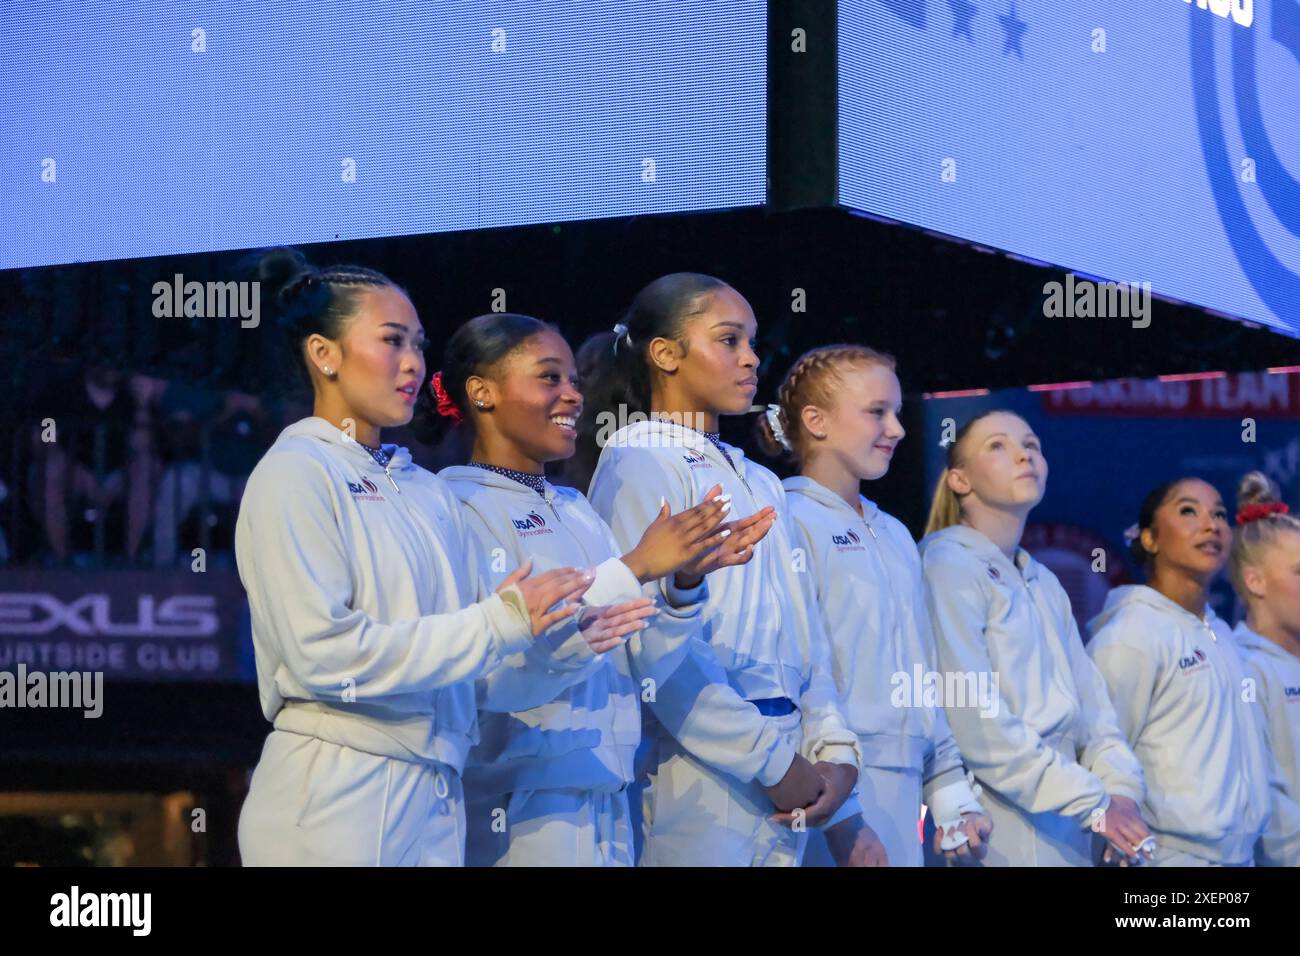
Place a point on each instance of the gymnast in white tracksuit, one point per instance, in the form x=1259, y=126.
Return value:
x=1049, y=753
x=366, y=636
x=1179, y=685
x=1264, y=566
x=547, y=782
x=739, y=725
x=837, y=418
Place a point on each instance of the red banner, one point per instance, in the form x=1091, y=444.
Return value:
x=1241, y=395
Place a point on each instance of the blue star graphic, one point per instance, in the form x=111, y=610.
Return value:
x=963, y=12
x=1015, y=29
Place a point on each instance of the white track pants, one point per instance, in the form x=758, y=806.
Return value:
x=693, y=815
x=562, y=827
x=314, y=803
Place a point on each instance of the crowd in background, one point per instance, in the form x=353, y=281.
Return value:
x=109, y=468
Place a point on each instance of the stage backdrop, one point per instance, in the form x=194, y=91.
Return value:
x=1110, y=443
x=1134, y=140
x=136, y=130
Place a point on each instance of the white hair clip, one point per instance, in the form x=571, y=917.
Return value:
x=1131, y=533
x=621, y=335
x=774, y=419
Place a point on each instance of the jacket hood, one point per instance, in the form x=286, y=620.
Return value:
x=1130, y=595
x=656, y=432
x=320, y=430
x=983, y=548
x=1246, y=638
x=815, y=491
x=494, y=480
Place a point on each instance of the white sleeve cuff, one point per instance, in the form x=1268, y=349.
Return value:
x=614, y=584
x=507, y=611
x=681, y=597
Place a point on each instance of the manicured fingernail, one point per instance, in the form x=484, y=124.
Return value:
x=726, y=532
x=662, y=501
x=721, y=498
x=726, y=508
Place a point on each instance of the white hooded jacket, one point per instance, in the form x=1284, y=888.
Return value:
x=1276, y=673
x=558, y=715
x=866, y=574
x=1176, y=681
x=761, y=635
x=1054, y=744
x=365, y=629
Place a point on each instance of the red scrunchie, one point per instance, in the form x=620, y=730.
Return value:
x=446, y=407
x=1261, y=510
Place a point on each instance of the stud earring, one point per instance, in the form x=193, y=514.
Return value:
x=329, y=372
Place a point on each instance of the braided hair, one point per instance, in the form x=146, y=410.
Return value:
x=815, y=378
x=306, y=301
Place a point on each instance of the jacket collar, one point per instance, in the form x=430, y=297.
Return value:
x=498, y=482
x=323, y=431
x=818, y=492
x=977, y=542
x=1246, y=637
x=658, y=433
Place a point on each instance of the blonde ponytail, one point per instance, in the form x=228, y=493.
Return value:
x=945, y=509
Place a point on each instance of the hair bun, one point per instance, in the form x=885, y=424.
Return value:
x=1257, y=488
x=280, y=270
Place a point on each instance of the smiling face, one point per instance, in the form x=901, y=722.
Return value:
x=717, y=372
x=379, y=358
x=535, y=400
x=1190, y=532
x=862, y=428
x=1001, y=464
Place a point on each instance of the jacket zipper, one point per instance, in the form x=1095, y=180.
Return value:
x=734, y=470
x=895, y=610
x=389, y=475
x=625, y=771
x=1242, y=781
x=586, y=555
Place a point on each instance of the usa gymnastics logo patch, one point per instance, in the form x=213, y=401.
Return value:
x=530, y=525
x=848, y=541
x=696, y=461
x=365, y=490
x=1193, y=662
